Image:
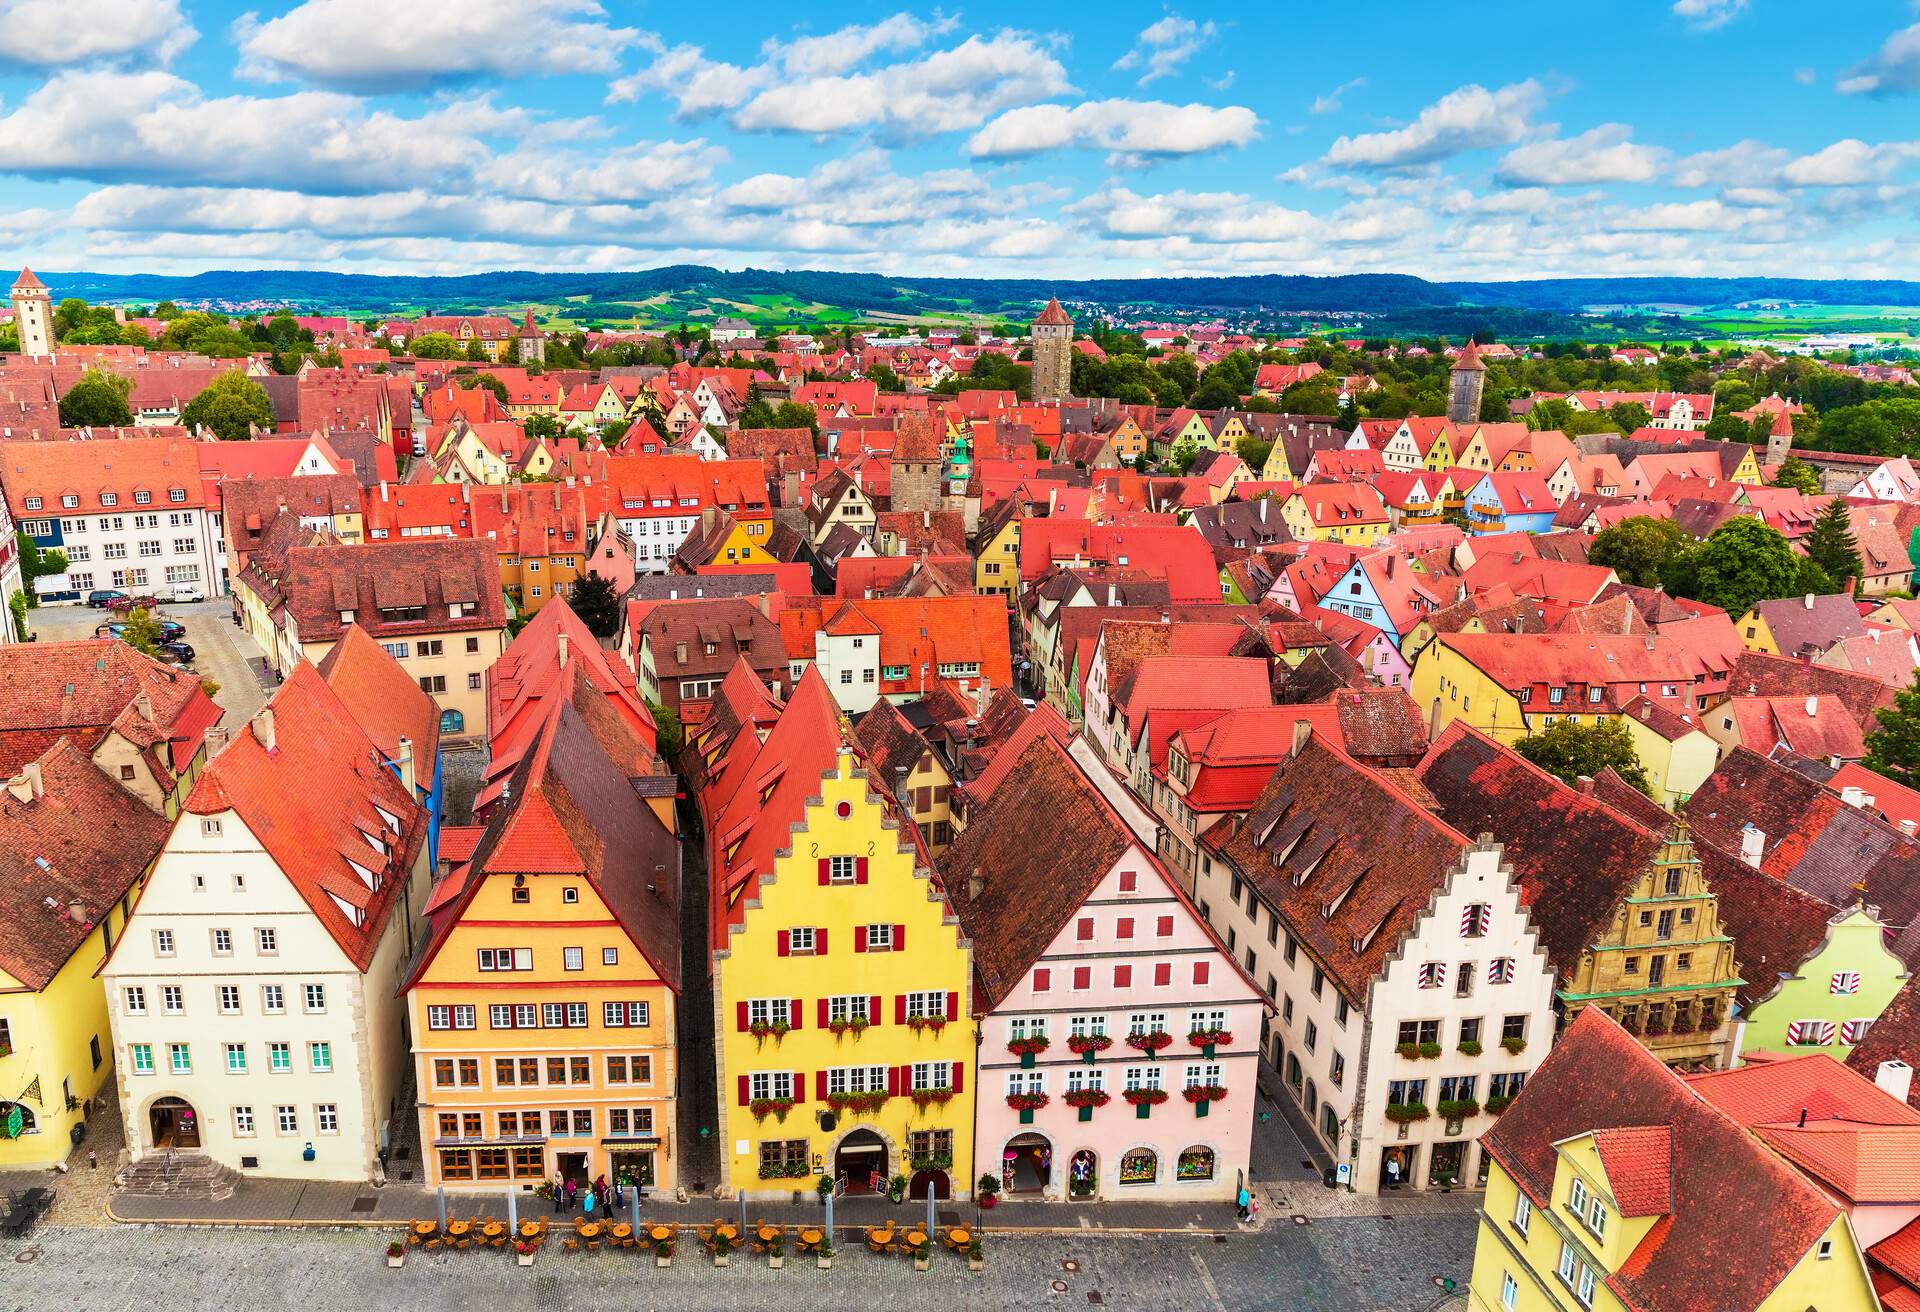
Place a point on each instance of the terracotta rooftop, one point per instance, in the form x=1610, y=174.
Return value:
x=90, y=687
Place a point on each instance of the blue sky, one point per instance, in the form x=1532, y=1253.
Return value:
x=1489, y=140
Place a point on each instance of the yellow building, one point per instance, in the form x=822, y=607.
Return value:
x=77, y=839
x=1348, y=513
x=542, y=1008
x=841, y=980
x=1630, y=1192
x=996, y=566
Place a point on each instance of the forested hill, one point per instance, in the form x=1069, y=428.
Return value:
x=871, y=293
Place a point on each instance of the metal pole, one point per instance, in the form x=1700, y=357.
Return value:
x=634, y=1194
x=513, y=1213
x=743, y=1211
x=930, y=1193
x=830, y=1194
x=443, y=1207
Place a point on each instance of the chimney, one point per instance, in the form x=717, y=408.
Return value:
x=1301, y=732
x=560, y=642
x=263, y=729
x=1908, y=827
x=143, y=706
x=1853, y=796
x=900, y=789
x=405, y=762
x=1753, y=845
x=1807, y=602
x=1813, y=707
x=977, y=882
x=21, y=789
x=1895, y=1077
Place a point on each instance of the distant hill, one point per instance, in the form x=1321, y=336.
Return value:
x=775, y=292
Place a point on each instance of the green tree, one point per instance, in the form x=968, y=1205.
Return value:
x=670, y=732
x=883, y=377
x=97, y=399
x=595, y=602
x=1184, y=453
x=434, y=346
x=477, y=352
x=1572, y=751
x=230, y=407
x=1795, y=472
x=142, y=632
x=488, y=381
x=1830, y=543
x=793, y=414
x=1894, y=748
x=37, y=563
x=1744, y=561
x=1629, y=415
x=1639, y=549
x=541, y=426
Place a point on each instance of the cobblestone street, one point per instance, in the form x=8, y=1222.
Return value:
x=1341, y=1265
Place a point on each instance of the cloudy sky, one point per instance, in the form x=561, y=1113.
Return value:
x=1487, y=140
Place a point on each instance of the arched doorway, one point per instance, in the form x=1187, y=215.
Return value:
x=930, y=1180
x=174, y=1123
x=1026, y=1166
x=861, y=1160
x=1083, y=1174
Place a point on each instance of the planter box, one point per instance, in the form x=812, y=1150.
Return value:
x=923, y=1263
x=1143, y=1110
x=775, y=1263
x=1086, y=1113
x=397, y=1261
x=663, y=1261
x=823, y=1263
x=976, y=1264
x=523, y=1259
x=1206, y=1050
x=718, y=1260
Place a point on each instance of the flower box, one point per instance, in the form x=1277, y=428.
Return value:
x=1458, y=1109
x=1470, y=1048
x=1144, y=1100
x=922, y=1098
x=856, y=1103
x=1151, y=1042
x=1028, y=1049
x=765, y=1107
x=762, y=1030
x=919, y=1023
x=396, y=1254
x=1514, y=1046
x=1088, y=1046
x=1210, y=1040
x=1086, y=1100
x=1429, y=1051
x=1498, y=1103
x=1407, y=1111
x=1203, y=1096
x=1027, y=1104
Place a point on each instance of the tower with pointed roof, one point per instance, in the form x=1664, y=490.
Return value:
x=1463, y=389
x=1052, y=354
x=530, y=344
x=32, y=314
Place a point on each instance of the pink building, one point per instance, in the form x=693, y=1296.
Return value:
x=1104, y=997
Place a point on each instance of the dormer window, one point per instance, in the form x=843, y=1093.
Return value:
x=109, y=498
x=176, y=494
x=70, y=501
x=346, y=617
x=142, y=497
x=33, y=503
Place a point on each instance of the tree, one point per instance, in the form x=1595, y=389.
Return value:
x=1830, y=543
x=1572, y=751
x=97, y=399
x=1630, y=416
x=230, y=407
x=1795, y=472
x=36, y=563
x=488, y=381
x=1744, y=561
x=1184, y=453
x=142, y=632
x=540, y=426
x=1894, y=748
x=883, y=377
x=794, y=414
x=594, y=601
x=1639, y=549
x=434, y=346
x=669, y=731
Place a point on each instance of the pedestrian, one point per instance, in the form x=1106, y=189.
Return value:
x=1253, y=1211
x=1393, y=1172
x=573, y=1193
x=559, y=1193
x=1241, y=1201
x=587, y=1202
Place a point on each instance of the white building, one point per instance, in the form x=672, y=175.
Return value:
x=1409, y=981
x=253, y=992
x=32, y=314
x=657, y=500
x=130, y=514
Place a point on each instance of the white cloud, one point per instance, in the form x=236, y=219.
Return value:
x=375, y=45
x=849, y=47
x=1746, y=163
x=1206, y=216
x=1706, y=15
x=1603, y=154
x=1467, y=119
x=1165, y=45
x=1850, y=163
x=1330, y=102
x=1893, y=71
x=51, y=33
x=1131, y=130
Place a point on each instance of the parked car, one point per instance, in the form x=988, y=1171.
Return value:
x=104, y=597
x=176, y=651
x=170, y=630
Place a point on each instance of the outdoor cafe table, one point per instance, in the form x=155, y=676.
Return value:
x=958, y=1237
x=811, y=1238
x=458, y=1229
x=529, y=1229
x=659, y=1233
x=730, y=1232
x=768, y=1233
x=622, y=1231
x=493, y=1229
x=915, y=1238
x=425, y=1228
x=590, y=1230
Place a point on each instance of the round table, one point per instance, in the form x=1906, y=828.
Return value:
x=659, y=1233
x=458, y=1228
x=915, y=1238
x=958, y=1238
x=768, y=1234
x=590, y=1230
x=811, y=1238
x=493, y=1229
x=426, y=1227
x=529, y=1230
x=622, y=1231
x=730, y=1232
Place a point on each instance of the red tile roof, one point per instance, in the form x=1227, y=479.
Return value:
x=40, y=476
x=1638, y=1160
x=384, y=700
x=430, y=575
x=90, y=687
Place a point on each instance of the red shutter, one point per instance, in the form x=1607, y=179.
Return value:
x=959, y=1077
x=1129, y=881
x=1164, y=927
x=799, y=1083
x=820, y=942
x=795, y=1022
x=1082, y=978
x=859, y=870
x=953, y=1006
x=740, y=1016
x=822, y=1022
x=893, y=1079
x=899, y=938
x=819, y=1086
x=1123, y=928
x=1084, y=931
x=859, y=938
x=1162, y=974
x=873, y=1010
x=825, y=869
x=1200, y=971
x=899, y=1009
x=1123, y=977
x=745, y=1096
x=781, y=946
x=1042, y=980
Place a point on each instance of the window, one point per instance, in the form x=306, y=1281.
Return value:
x=236, y=1058
x=229, y=999
x=1475, y=920
x=1313, y=1036
x=316, y=998
x=136, y=1002
x=142, y=1055
x=1509, y=1291
x=1577, y=1197
x=273, y=999
x=1584, y=1290
x=320, y=1057
x=1597, y=1218
x=280, y=1058
x=179, y=1059
x=800, y=940
x=171, y=999
x=326, y=1118
x=574, y=958
x=1337, y=1072
x=1824, y=1251
x=267, y=941
x=1522, y=1213
x=927, y=1003
x=243, y=1121
x=1143, y=1077
x=779, y=1084
x=286, y=1119
x=163, y=942
x=222, y=942
x=1568, y=1262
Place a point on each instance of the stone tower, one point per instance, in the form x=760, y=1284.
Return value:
x=33, y=314
x=530, y=344
x=1780, y=438
x=1052, y=354
x=1463, y=389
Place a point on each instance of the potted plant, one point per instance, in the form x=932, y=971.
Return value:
x=1151, y=1042
x=1458, y=1109
x=1411, y=1051
x=922, y=1255
x=1209, y=1038
x=765, y=1107
x=823, y=1255
x=722, y=1250
x=1088, y=1046
x=858, y=1025
x=1498, y=1103
x=839, y=1027
x=1446, y=1182
x=1203, y=1096
x=1429, y=1051
x=1470, y=1048
x=987, y=1190
x=663, y=1252
x=1028, y=1048
x=762, y=1030
x=823, y=1186
x=1027, y=1104
x=919, y=1023
x=923, y=1097
x=1407, y=1112
x=1086, y=1100
x=523, y=1251
x=975, y=1262
x=1144, y=1100
x=777, y=1253
x=1514, y=1044
x=396, y=1254
x=897, y=1188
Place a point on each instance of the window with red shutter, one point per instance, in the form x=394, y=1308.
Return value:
x=953, y=1006
x=825, y=869
x=819, y=1086
x=799, y=1086
x=873, y=1010
x=1201, y=970
x=860, y=870
x=781, y=943
x=1042, y=980
x=958, y=1080
x=740, y=1021
x=795, y=1022
x=1129, y=881
x=1084, y=930
x=1162, y=974
x=820, y=1014
x=859, y=938
x=1123, y=927
x=1163, y=927
x=899, y=938
x=899, y=1009
x=745, y=1091
x=1082, y=978
x=893, y=1079
x=1123, y=977
x=820, y=942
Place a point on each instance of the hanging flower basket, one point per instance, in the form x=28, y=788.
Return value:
x=1088, y=1045
x=1151, y=1042
x=1086, y=1100
x=1458, y=1109
x=762, y=1030
x=919, y=1023
x=765, y=1107
x=1498, y=1103
x=1027, y=1104
x=1144, y=1100
x=1203, y=1093
x=856, y=1103
x=838, y=1027
x=1210, y=1039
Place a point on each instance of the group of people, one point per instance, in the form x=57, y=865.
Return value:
x=596, y=1198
